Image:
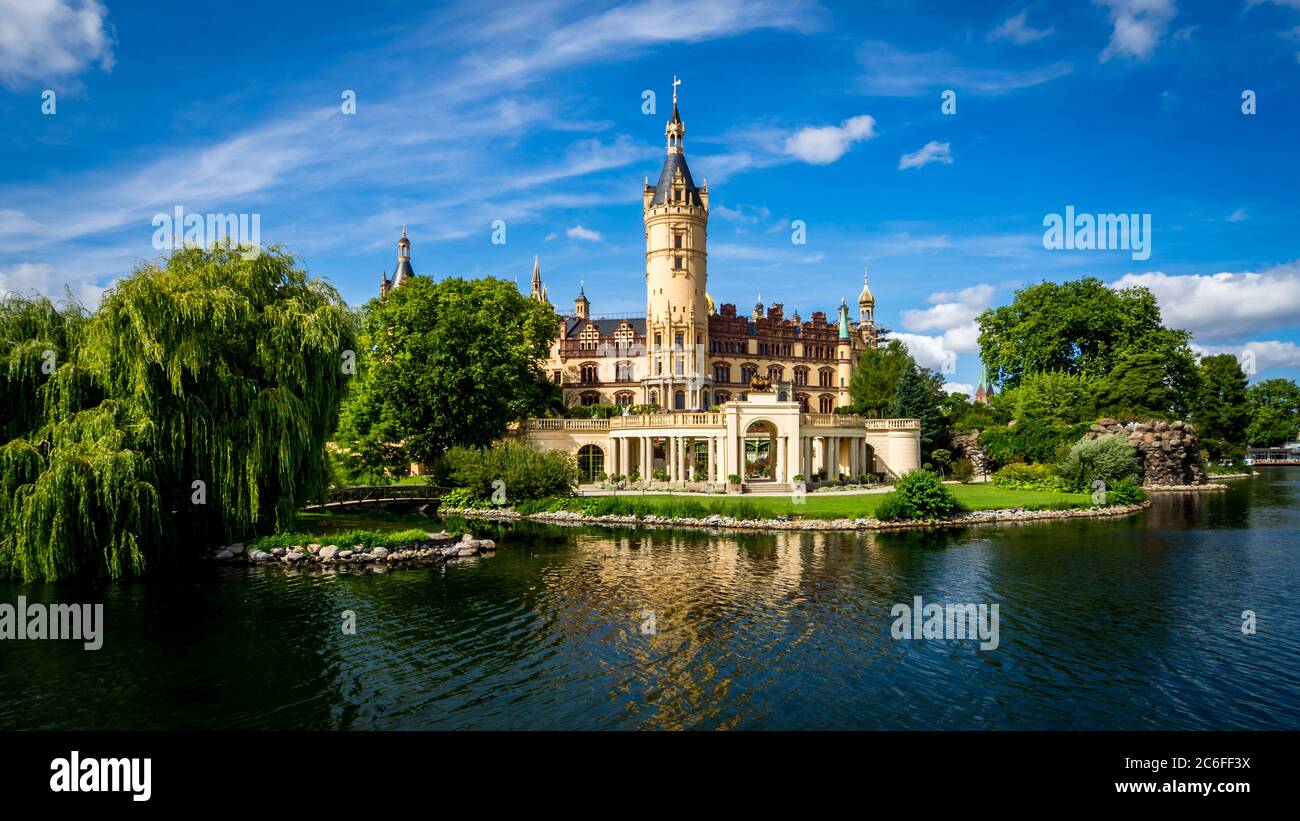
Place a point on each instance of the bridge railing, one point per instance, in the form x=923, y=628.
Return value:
x=380, y=494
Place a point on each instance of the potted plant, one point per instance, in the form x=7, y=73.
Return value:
x=734, y=484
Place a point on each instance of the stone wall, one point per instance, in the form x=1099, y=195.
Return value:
x=1169, y=452
x=967, y=446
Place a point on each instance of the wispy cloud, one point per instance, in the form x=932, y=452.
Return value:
x=930, y=152
x=1017, y=29
x=892, y=72
x=1137, y=26
x=579, y=232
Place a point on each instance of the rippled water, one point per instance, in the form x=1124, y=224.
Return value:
x=1131, y=623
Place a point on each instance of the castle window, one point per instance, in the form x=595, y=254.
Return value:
x=803, y=401
x=625, y=371
x=722, y=373
x=826, y=403
x=589, y=373
x=679, y=341
x=590, y=398
x=775, y=373
x=654, y=398
x=721, y=396
x=826, y=378
x=678, y=239
x=747, y=373
x=677, y=263
x=679, y=400
x=623, y=398
x=801, y=376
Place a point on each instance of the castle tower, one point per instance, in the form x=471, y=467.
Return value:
x=844, y=355
x=404, y=271
x=676, y=214
x=866, y=304
x=582, y=305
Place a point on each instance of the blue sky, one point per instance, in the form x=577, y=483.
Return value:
x=532, y=114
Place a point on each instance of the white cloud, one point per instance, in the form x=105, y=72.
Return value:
x=826, y=144
x=949, y=311
x=1268, y=353
x=959, y=387
x=43, y=40
x=1239, y=215
x=891, y=72
x=1138, y=26
x=741, y=213
x=930, y=152
x=1017, y=30
x=578, y=232
x=1225, y=304
x=552, y=235
x=928, y=351
x=37, y=278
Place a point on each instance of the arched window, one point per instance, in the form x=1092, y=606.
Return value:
x=679, y=400
x=590, y=373
x=747, y=373
x=775, y=373
x=826, y=377
x=826, y=403
x=802, y=398
x=722, y=373
x=704, y=398
x=624, y=398
x=590, y=398
x=721, y=397
x=654, y=398
x=625, y=371
x=801, y=376
x=591, y=463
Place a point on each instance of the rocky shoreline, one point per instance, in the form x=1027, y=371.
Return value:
x=437, y=548
x=1184, y=488
x=717, y=521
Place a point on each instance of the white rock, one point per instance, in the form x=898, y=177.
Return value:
x=224, y=555
x=328, y=552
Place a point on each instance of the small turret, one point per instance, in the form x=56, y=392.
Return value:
x=581, y=305
x=866, y=303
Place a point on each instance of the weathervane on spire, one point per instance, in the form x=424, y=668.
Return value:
x=676, y=83
x=864, y=275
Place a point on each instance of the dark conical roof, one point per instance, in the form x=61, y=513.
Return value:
x=665, y=185
x=403, y=271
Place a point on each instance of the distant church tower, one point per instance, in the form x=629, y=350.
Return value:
x=403, y=271
x=676, y=216
x=539, y=290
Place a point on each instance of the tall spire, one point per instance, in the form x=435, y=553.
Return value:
x=538, y=292
x=844, y=320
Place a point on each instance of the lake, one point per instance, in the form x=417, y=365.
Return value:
x=1134, y=623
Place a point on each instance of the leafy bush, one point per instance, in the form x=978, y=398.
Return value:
x=963, y=470
x=528, y=473
x=1020, y=476
x=918, y=495
x=1109, y=459
x=1125, y=492
x=461, y=497
x=1030, y=440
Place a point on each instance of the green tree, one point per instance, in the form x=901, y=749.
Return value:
x=875, y=379
x=208, y=368
x=1274, y=412
x=1222, y=412
x=446, y=363
x=917, y=397
x=1053, y=396
x=1081, y=327
x=1138, y=388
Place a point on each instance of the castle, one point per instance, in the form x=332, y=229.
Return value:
x=771, y=383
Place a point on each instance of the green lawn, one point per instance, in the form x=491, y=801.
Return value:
x=855, y=505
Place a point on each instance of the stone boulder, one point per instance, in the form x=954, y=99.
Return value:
x=1168, y=452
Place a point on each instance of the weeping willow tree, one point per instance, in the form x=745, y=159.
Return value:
x=192, y=407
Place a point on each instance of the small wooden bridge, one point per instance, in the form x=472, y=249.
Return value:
x=379, y=496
